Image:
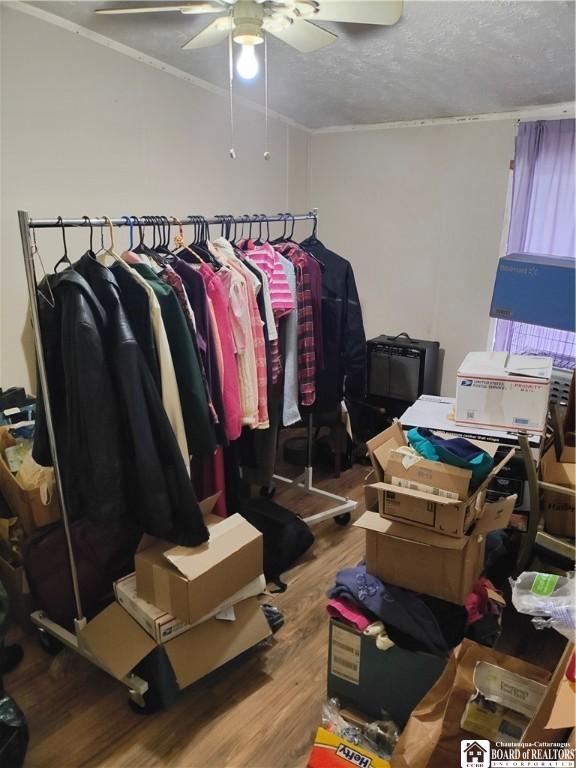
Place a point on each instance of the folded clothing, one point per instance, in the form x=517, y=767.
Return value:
x=403, y=613
x=348, y=612
x=457, y=451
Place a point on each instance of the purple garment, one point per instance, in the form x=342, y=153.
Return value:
x=196, y=292
x=316, y=280
x=542, y=221
x=396, y=607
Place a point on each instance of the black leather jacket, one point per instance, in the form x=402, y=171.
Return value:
x=117, y=449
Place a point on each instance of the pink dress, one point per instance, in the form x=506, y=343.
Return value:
x=230, y=385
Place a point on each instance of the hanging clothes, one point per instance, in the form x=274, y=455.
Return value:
x=306, y=338
x=169, y=276
x=160, y=494
x=132, y=285
x=249, y=350
x=225, y=350
x=290, y=412
x=84, y=406
x=206, y=344
x=118, y=455
x=344, y=346
x=199, y=431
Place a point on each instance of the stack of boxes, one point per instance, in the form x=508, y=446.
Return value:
x=430, y=530
x=198, y=604
x=425, y=532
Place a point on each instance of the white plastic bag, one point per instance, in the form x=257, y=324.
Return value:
x=32, y=475
x=551, y=599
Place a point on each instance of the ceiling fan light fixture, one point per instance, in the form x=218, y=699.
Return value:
x=248, y=34
x=248, y=17
x=247, y=64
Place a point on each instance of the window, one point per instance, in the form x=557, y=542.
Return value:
x=542, y=221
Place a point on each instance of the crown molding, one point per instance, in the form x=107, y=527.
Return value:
x=565, y=109
x=144, y=58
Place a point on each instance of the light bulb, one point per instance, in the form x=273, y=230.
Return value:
x=247, y=65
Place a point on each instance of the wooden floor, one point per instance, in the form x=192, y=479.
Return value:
x=263, y=714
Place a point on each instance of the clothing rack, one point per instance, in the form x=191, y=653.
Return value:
x=48, y=629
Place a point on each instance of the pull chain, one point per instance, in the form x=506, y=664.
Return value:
x=266, y=152
x=232, y=151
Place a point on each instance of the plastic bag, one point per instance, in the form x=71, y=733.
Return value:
x=32, y=475
x=13, y=733
x=551, y=599
x=379, y=737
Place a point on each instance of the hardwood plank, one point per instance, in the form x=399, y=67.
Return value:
x=261, y=714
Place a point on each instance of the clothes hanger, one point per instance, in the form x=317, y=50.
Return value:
x=129, y=256
x=267, y=220
x=109, y=251
x=179, y=242
x=291, y=236
x=35, y=252
x=89, y=223
x=64, y=259
x=282, y=238
x=258, y=240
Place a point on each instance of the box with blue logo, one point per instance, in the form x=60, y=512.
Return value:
x=534, y=289
x=497, y=390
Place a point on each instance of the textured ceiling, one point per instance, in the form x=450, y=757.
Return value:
x=442, y=59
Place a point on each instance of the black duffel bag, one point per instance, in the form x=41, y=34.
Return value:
x=285, y=536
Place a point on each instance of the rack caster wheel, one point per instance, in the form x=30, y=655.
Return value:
x=146, y=704
x=343, y=520
x=267, y=492
x=48, y=643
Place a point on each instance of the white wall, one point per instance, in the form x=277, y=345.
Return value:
x=419, y=213
x=87, y=130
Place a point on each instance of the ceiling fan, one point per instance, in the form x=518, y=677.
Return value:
x=289, y=20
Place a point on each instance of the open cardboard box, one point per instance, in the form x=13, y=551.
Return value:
x=25, y=504
x=558, y=506
x=429, y=562
x=427, y=510
x=190, y=582
x=119, y=643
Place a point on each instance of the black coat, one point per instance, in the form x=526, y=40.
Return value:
x=344, y=370
x=157, y=489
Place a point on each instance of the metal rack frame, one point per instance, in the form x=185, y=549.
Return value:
x=137, y=687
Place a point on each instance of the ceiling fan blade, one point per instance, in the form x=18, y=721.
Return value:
x=215, y=32
x=199, y=7
x=304, y=36
x=360, y=11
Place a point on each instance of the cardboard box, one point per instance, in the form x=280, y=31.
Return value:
x=496, y=389
x=190, y=582
x=332, y=751
x=371, y=680
x=20, y=602
x=26, y=505
x=162, y=626
x=429, y=562
x=119, y=643
x=426, y=510
x=558, y=505
x=442, y=479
